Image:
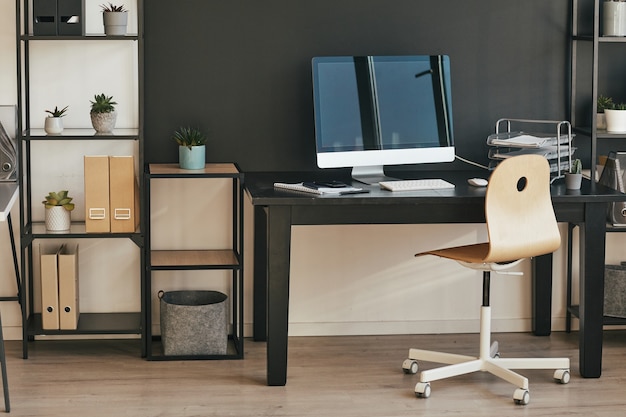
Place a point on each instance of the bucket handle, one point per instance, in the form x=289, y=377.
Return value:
x=160, y=294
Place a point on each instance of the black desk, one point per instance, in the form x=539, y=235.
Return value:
x=275, y=211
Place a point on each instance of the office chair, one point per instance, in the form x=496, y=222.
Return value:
x=520, y=224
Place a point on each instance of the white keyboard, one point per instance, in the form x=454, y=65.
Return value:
x=416, y=185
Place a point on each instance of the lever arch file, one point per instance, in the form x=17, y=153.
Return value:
x=97, y=194
x=68, y=287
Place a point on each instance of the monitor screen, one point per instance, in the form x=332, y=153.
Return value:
x=372, y=111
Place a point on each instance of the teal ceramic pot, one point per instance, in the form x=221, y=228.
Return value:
x=193, y=158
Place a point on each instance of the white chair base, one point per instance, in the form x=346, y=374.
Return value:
x=488, y=361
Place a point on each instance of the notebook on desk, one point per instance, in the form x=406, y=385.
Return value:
x=320, y=190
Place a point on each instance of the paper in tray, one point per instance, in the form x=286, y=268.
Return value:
x=525, y=140
x=548, y=152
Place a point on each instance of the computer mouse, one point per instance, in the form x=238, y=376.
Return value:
x=478, y=182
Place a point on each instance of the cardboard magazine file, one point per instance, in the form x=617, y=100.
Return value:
x=97, y=194
x=123, y=194
x=49, y=288
x=68, y=287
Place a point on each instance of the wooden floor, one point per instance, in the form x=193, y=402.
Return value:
x=328, y=376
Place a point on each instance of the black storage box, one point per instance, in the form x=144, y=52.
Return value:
x=45, y=17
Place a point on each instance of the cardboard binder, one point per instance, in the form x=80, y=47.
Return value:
x=97, y=194
x=68, y=287
x=49, y=288
x=123, y=194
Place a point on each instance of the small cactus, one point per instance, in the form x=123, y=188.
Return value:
x=576, y=167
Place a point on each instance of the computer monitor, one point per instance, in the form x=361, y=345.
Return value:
x=372, y=111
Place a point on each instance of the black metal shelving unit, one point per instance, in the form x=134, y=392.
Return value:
x=589, y=53
x=227, y=259
x=109, y=323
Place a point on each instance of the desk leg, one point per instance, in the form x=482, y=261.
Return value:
x=260, y=275
x=591, y=317
x=542, y=295
x=278, y=262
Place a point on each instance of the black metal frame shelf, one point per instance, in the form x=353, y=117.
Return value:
x=585, y=28
x=92, y=323
x=82, y=134
x=110, y=323
x=230, y=259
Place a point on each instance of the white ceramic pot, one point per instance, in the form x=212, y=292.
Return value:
x=103, y=122
x=573, y=181
x=614, y=18
x=57, y=219
x=53, y=125
x=115, y=23
x=615, y=121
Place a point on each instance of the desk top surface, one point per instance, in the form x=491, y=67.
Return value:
x=8, y=196
x=259, y=187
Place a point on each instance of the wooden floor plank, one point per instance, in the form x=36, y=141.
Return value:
x=351, y=376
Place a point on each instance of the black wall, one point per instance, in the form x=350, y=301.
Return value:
x=240, y=69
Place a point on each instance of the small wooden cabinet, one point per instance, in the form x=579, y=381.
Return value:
x=173, y=259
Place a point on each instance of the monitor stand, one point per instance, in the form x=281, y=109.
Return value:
x=370, y=175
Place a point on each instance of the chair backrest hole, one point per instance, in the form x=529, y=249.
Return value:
x=521, y=183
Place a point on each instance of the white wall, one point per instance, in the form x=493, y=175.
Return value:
x=345, y=279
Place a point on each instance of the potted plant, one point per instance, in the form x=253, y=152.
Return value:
x=103, y=115
x=614, y=18
x=574, y=178
x=603, y=103
x=115, y=19
x=616, y=118
x=53, y=124
x=58, y=208
x=191, y=147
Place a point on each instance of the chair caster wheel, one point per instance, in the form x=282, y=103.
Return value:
x=410, y=366
x=562, y=376
x=521, y=396
x=422, y=390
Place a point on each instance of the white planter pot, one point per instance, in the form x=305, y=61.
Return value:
x=615, y=121
x=103, y=122
x=614, y=18
x=53, y=125
x=573, y=181
x=115, y=23
x=57, y=219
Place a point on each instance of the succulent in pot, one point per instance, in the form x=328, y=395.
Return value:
x=573, y=178
x=53, y=125
x=103, y=115
x=58, y=206
x=115, y=19
x=191, y=147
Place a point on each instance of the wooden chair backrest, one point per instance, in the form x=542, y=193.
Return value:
x=518, y=210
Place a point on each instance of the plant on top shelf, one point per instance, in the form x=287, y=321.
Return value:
x=191, y=147
x=115, y=19
x=53, y=125
x=58, y=208
x=189, y=136
x=103, y=115
x=604, y=103
x=112, y=8
x=56, y=112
